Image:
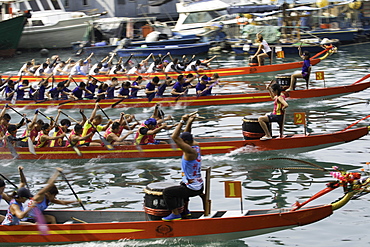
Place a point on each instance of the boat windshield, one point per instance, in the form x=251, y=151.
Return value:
x=205, y=16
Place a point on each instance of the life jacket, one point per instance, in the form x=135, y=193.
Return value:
x=143, y=139
x=58, y=142
x=41, y=144
x=69, y=140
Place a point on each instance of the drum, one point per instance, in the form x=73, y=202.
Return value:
x=154, y=204
x=253, y=61
x=252, y=129
x=283, y=81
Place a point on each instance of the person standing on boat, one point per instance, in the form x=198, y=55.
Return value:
x=306, y=70
x=192, y=182
x=277, y=115
x=264, y=47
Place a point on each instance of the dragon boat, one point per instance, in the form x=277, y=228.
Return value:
x=218, y=99
x=203, y=226
x=209, y=145
x=223, y=72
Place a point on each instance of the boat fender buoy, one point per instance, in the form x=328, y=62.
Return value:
x=44, y=52
x=239, y=22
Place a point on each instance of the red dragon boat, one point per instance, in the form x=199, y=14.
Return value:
x=221, y=71
x=203, y=226
x=219, y=99
x=209, y=145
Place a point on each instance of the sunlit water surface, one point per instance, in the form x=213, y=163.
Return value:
x=106, y=184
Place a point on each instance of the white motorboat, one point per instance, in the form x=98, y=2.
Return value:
x=50, y=25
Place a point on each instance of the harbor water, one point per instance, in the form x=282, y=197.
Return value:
x=107, y=184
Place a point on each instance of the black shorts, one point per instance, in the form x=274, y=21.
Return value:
x=275, y=118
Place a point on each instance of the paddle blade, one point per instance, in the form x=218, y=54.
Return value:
x=151, y=97
x=41, y=223
x=78, y=152
x=107, y=145
x=119, y=101
x=12, y=149
x=31, y=148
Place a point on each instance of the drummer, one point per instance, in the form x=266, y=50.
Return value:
x=264, y=47
x=192, y=182
x=306, y=70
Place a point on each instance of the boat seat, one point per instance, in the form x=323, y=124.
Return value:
x=211, y=215
x=234, y=214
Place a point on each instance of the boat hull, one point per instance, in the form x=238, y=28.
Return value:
x=11, y=32
x=175, y=50
x=60, y=35
x=223, y=72
x=221, y=99
x=106, y=49
x=208, y=146
x=135, y=226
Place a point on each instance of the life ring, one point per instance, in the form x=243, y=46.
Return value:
x=240, y=23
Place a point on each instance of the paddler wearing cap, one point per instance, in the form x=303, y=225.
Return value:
x=145, y=135
x=7, y=197
x=203, y=87
x=192, y=182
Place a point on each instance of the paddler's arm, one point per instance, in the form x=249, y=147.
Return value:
x=23, y=181
x=40, y=194
x=93, y=113
x=186, y=148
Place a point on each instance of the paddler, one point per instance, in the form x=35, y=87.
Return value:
x=145, y=134
x=93, y=124
x=192, y=182
x=44, y=198
x=15, y=210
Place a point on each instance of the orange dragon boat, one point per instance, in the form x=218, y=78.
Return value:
x=221, y=71
x=203, y=226
x=209, y=145
x=218, y=99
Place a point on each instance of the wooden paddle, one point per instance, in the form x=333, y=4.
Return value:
x=5, y=178
x=78, y=152
x=173, y=145
x=302, y=161
x=74, y=193
x=69, y=117
x=31, y=148
x=133, y=135
x=116, y=103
